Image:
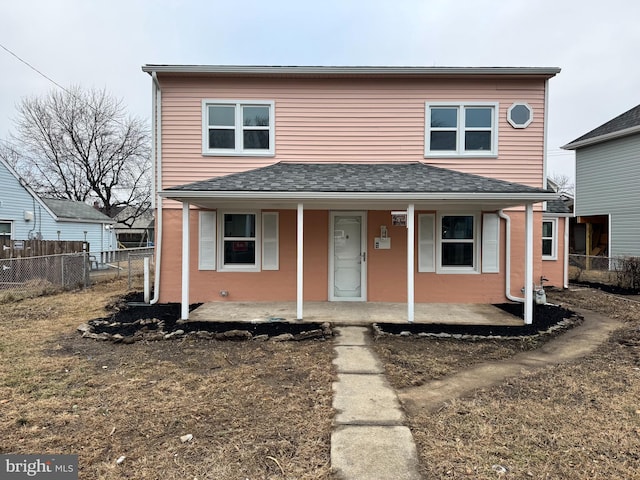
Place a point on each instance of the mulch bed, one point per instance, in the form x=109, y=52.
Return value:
x=133, y=320
x=545, y=318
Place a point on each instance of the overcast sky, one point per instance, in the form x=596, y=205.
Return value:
x=104, y=44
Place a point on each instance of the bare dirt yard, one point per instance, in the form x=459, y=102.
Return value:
x=573, y=421
x=256, y=410
x=262, y=410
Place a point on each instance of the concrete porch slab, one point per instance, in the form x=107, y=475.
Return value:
x=353, y=313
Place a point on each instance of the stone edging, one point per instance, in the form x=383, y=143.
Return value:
x=559, y=327
x=152, y=329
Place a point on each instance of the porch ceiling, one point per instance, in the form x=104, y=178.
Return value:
x=355, y=313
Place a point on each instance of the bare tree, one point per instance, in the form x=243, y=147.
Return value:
x=563, y=183
x=80, y=145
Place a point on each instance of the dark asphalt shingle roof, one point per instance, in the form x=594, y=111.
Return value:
x=559, y=205
x=356, y=177
x=72, y=210
x=628, y=119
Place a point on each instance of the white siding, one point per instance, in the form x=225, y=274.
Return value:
x=607, y=182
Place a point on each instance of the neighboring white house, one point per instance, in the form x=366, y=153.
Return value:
x=24, y=215
x=607, y=196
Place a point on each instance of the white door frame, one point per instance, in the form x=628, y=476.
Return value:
x=363, y=252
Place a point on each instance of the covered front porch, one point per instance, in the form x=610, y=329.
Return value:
x=354, y=313
x=413, y=190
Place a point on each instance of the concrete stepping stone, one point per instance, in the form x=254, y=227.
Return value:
x=365, y=400
x=374, y=453
x=355, y=359
x=352, y=336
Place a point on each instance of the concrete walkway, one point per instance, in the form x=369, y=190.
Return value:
x=369, y=440
x=572, y=344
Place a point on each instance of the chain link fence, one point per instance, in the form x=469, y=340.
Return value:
x=33, y=276
x=126, y=263
x=622, y=272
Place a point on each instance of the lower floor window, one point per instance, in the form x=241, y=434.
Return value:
x=457, y=241
x=239, y=239
x=549, y=227
x=5, y=229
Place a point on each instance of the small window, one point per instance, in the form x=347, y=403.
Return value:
x=460, y=130
x=5, y=229
x=549, y=239
x=457, y=242
x=520, y=115
x=239, y=240
x=238, y=128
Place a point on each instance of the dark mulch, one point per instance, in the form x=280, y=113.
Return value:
x=128, y=310
x=544, y=318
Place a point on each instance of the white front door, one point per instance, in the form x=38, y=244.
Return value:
x=348, y=257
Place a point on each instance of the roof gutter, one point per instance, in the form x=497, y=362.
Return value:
x=601, y=138
x=348, y=70
x=309, y=195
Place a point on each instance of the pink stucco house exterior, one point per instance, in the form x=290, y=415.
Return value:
x=370, y=184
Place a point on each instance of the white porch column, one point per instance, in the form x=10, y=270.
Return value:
x=300, y=264
x=410, y=262
x=184, y=315
x=528, y=265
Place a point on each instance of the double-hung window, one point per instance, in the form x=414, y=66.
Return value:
x=239, y=237
x=458, y=243
x=454, y=129
x=5, y=229
x=238, y=128
x=451, y=243
x=549, y=238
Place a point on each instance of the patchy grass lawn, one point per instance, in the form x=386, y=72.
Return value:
x=256, y=410
x=574, y=421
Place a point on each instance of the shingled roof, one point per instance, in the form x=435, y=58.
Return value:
x=624, y=124
x=364, y=178
x=72, y=210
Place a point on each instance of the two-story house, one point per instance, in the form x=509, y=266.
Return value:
x=370, y=184
x=607, y=193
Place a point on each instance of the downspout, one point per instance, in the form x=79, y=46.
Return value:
x=566, y=253
x=156, y=155
x=507, y=280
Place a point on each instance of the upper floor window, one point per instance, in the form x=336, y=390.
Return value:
x=238, y=127
x=520, y=115
x=468, y=129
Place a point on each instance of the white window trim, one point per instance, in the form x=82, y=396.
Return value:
x=476, y=239
x=255, y=267
x=460, y=130
x=10, y=222
x=238, y=151
x=554, y=238
x=520, y=125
